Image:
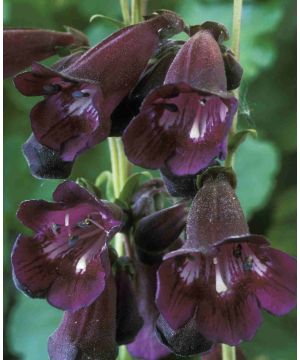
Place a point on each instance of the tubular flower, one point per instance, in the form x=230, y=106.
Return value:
x=80, y=99
x=66, y=260
x=183, y=125
x=222, y=273
x=129, y=321
x=88, y=333
x=146, y=345
x=21, y=47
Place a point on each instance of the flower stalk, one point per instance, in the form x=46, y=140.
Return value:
x=235, y=45
x=228, y=352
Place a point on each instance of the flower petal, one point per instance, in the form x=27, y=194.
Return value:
x=70, y=120
x=31, y=273
x=277, y=288
x=175, y=298
x=79, y=281
x=230, y=318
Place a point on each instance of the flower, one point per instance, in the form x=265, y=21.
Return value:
x=146, y=345
x=183, y=125
x=129, y=321
x=21, y=47
x=88, y=333
x=80, y=99
x=222, y=273
x=66, y=260
x=158, y=231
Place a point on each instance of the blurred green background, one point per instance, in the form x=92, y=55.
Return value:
x=266, y=167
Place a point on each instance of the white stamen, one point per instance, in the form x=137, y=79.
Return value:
x=220, y=285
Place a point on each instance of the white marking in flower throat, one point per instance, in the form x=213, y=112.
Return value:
x=67, y=220
x=81, y=265
x=190, y=271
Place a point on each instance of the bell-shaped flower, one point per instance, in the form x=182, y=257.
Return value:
x=88, y=333
x=223, y=273
x=79, y=99
x=66, y=260
x=183, y=125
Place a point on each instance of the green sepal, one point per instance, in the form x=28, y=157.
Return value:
x=113, y=21
x=89, y=186
x=238, y=138
x=105, y=184
x=131, y=186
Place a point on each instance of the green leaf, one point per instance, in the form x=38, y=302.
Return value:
x=132, y=185
x=31, y=323
x=257, y=164
x=283, y=231
x=105, y=184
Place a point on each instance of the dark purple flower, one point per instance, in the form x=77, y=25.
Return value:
x=146, y=345
x=183, y=125
x=152, y=77
x=129, y=321
x=88, y=333
x=157, y=232
x=222, y=272
x=21, y=47
x=80, y=99
x=66, y=260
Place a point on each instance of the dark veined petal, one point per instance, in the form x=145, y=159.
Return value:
x=70, y=278
x=88, y=333
x=179, y=128
x=229, y=319
x=175, y=296
x=277, y=287
x=71, y=120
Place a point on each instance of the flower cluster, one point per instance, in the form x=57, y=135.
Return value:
x=194, y=277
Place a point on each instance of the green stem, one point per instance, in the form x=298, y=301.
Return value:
x=125, y=11
x=228, y=352
x=136, y=11
x=114, y=165
x=235, y=46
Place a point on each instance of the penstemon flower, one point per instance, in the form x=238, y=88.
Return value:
x=183, y=125
x=80, y=98
x=222, y=273
x=66, y=260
